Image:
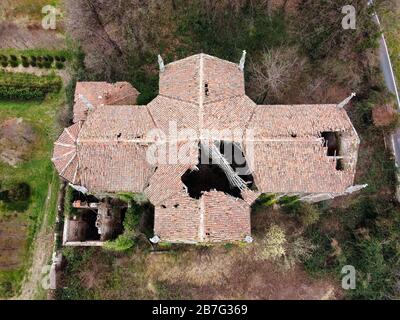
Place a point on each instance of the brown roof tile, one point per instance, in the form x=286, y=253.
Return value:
x=101, y=93
x=225, y=218
x=113, y=166
x=117, y=123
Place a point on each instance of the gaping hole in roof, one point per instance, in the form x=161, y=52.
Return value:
x=210, y=176
x=339, y=165
x=331, y=140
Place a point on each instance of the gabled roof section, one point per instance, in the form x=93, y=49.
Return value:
x=201, y=78
x=117, y=123
x=113, y=166
x=285, y=121
x=101, y=93
x=214, y=217
x=296, y=166
x=289, y=154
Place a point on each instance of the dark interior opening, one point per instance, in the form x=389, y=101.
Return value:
x=211, y=177
x=332, y=142
x=339, y=165
x=207, y=178
x=83, y=197
x=92, y=233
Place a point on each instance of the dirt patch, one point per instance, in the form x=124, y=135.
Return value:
x=43, y=245
x=12, y=242
x=383, y=115
x=235, y=275
x=17, y=139
x=217, y=272
x=22, y=37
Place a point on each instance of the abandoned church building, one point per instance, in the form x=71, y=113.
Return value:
x=305, y=150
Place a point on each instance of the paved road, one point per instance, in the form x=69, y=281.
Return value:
x=386, y=65
x=388, y=74
x=396, y=146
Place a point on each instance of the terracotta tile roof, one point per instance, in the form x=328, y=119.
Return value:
x=109, y=151
x=165, y=110
x=297, y=166
x=214, y=217
x=121, y=93
x=180, y=80
x=165, y=175
x=113, y=166
x=101, y=93
x=274, y=121
x=65, y=154
x=186, y=79
x=117, y=123
x=225, y=218
x=289, y=155
x=177, y=219
x=232, y=113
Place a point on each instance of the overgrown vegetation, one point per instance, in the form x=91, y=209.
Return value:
x=76, y=258
x=131, y=222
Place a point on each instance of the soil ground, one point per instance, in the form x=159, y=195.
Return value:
x=199, y=273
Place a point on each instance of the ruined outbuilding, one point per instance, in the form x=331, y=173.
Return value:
x=307, y=150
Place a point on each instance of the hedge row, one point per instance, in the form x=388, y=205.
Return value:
x=24, y=86
x=45, y=61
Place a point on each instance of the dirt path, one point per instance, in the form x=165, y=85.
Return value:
x=43, y=245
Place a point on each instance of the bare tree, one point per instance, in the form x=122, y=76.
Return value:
x=271, y=76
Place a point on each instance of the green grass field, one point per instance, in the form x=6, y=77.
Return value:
x=390, y=20
x=38, y=172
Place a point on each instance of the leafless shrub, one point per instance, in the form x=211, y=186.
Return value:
x=298, y=251
x=273, y=244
